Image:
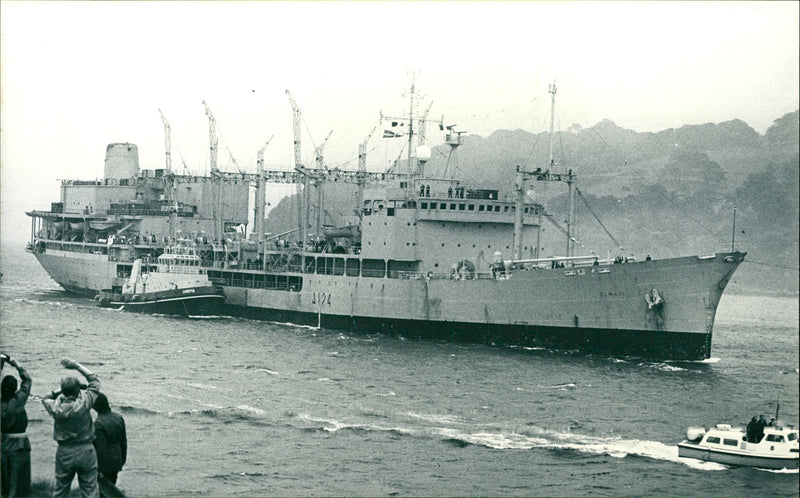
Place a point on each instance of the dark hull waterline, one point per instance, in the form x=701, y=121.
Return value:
x=198, y=305
x=646, y=344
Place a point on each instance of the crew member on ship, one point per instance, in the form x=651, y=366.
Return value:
x=655, y=303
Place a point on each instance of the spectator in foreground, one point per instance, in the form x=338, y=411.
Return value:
x=110, y=440
x=16, y=449
x=73, y=430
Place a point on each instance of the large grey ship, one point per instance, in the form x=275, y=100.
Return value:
x=423, y=257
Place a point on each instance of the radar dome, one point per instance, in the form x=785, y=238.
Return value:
x=423, y=152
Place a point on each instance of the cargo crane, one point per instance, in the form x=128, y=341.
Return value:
x=167, y=143
x=260, y=198
x=169, y=180
x=216, y=182
x=298, y=160
x=318, y=158
x=422, y=125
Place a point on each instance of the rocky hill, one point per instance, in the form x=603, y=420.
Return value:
x=665, y=194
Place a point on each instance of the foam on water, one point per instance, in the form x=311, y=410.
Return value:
x=614, y=447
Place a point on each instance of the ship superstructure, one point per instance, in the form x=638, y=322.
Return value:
x=428, y=257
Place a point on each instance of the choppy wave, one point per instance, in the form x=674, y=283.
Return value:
x=435, y=418
x=43, y=302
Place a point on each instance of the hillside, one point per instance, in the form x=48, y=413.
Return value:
x=665, y=194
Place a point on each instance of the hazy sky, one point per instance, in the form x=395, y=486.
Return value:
x=77, y=76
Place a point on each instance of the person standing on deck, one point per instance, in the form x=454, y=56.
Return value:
x=73, y=430
x=16, y=449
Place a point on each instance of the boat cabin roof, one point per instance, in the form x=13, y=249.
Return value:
x=725, y=434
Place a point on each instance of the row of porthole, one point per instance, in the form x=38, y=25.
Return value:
x=369, y=243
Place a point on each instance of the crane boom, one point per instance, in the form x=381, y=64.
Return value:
x=167, y=141
x=216, y=183
x=260, y=194
x=298, y=163
x=296, y=118
x=212, y=136
x=319, y=150
x=422, y=125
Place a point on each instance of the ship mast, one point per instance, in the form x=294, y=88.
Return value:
x=362, y=170
x=411, y=94
x=520, y=186
x=570, y=180
x=417, y=167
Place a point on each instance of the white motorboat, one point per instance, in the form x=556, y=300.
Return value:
x=774, y=446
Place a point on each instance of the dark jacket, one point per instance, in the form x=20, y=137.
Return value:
x=14, y=417
x=110, y=442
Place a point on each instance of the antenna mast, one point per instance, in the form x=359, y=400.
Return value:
x=520, y=186
x=362, y=170
x=411, y=95
x=569, y=178
x=552, y=90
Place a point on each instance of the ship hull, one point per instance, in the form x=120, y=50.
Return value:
x=619, y=343
x=84, y=274
x=599, y=310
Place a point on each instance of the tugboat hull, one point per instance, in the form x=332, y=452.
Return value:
x=202, y=301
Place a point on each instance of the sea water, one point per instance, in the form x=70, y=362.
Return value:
x=232, y=407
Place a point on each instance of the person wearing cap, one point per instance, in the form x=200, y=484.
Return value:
x=16, y=449
x=73, y=430
x=110, y=440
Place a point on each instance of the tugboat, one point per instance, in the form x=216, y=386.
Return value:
x=766, y=445
x=177, y=286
